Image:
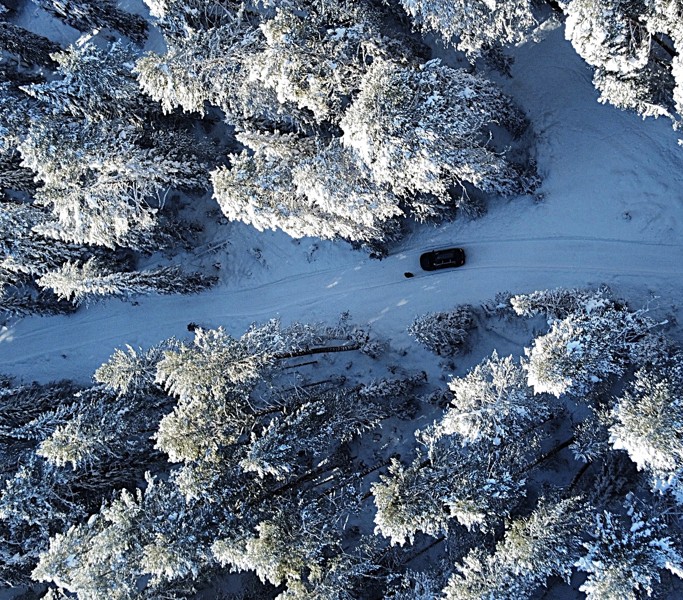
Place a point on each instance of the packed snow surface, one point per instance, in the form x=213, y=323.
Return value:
x=610, y=211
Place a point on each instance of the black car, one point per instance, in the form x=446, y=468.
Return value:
x=442, y=259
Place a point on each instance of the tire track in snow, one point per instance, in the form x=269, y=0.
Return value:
x=79, y=343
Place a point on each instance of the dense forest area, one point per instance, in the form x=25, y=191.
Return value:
x=309, y=460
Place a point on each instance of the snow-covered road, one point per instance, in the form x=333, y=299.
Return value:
x=612, y=212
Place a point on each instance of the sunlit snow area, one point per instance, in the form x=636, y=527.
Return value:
x=606, y=219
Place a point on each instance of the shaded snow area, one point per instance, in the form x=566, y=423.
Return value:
x=610, y=212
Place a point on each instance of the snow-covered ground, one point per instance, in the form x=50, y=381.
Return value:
x=611, y=212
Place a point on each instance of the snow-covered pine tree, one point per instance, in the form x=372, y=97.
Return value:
x=104, y=181
x=493, y=404
x=200, y=430
x=177, y=18
x=85, y=282
x=135, y=546
x=315, y=428
x=597, y=341
x=306, y=187
x=313, y=60
x=424, y=130
x=542, y=545
x=648, y=424
x=473, y=26
x=555, y=304
x=626, y=554
x=130, y=371
x=22, y=251
x=202, y=66
x=475, y=485
x=212, y=379
x=634, y=46
x=36, y=500
x=94, y=83
x=89, y=15
x=215, y=364
x=444, y=333
x=293, y=544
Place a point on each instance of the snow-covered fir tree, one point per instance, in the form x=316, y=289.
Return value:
x=314, y=428
x=94, y=83
x=593, y=343
x=203, y=64
x=138, y=541
x=626, y=554
x=474, y=485
x=22, y=250
x=634, y=47
x=473, y=26
x=312, y=61
x=305, y=187
x=493, y=403
x=104, y=182
x=36, y=500
x=534, y=548
x=423, y=130
x=648, y=424
x=87, y=281
x=130, y=370
x=291, y=545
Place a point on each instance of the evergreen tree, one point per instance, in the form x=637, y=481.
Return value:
x=306, y=188
x=130, y=371
x=35, y=501
x=629, y=43
x=493, y=403
x=95, y=84
x=475, y=485
x=292, y=544
x=204, y=66
x=595, y=342
x=22, y=251
x=473, y=26
x=534, y=548
x=444, y=333
x=423, y=130
x=648, y=424
x=82, y=283
x=135, y=546
x=101, y=181
x=315, y=428
x=315, y=61
x=625, y=555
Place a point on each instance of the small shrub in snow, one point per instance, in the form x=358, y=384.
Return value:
x=444, y=333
